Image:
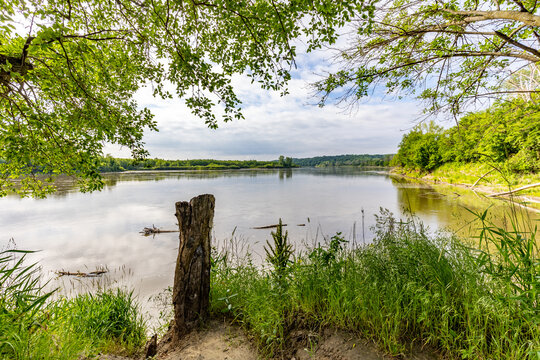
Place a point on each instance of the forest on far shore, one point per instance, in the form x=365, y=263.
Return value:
x=112, y=164
x=345, y=160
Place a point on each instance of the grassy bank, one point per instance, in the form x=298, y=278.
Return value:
x=34, y=326
x=496, y=178
x=407, y=288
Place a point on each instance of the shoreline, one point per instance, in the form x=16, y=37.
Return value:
x=485, y=190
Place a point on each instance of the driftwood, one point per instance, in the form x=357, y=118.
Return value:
x=530, y=200
x=273, y=226
x=147, y=231
x=82, y=274
x=481, y=177
x=515, y=190
x=267, y=226
x=528, y=208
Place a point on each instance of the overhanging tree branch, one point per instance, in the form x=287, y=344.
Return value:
x=75, y=82
x=446, y=54
x=475, y=15
x=517, y=44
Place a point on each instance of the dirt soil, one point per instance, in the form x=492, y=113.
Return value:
x=222, y=341
x=218, y=341
x=341, y=345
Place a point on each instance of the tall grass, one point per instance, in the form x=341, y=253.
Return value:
x=33, y=326
x=407, y=288
x=21, y=305
x=110, y=319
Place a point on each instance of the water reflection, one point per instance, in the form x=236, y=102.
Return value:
x=66, y=185
x=453, y=207
x=77, y=231
x=285, y=174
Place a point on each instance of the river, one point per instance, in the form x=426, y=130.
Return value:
x=76, y=231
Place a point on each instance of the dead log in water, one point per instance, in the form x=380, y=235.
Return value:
x=481, y=177
x=147, y=231
x=515, y=190
x=268, y=226
x=82, y=274
x=273, y=226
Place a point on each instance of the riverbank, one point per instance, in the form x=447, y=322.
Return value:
x=110, y=164
x=220, y=339
x=482, y=178
x=408, y=295
x=36, y=324
x=407, y=290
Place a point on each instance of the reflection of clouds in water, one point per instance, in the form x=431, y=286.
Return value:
x=92, y=227
x=91, y=232
x=77, y=230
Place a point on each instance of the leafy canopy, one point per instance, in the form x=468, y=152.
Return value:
x=447, y=53
x=69, y=70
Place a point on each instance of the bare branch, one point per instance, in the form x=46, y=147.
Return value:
x=517, y=44
x=475, y=15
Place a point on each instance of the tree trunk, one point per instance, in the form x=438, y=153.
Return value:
x=191, y=287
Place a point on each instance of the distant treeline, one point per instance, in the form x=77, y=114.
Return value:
x=111, y=164
x=507, y=133
x=345, y=160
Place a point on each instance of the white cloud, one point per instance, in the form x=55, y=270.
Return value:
x=291, y=125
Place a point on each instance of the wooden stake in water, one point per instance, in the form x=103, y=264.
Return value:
x=191, y=287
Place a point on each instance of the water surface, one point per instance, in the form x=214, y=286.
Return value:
x=82, y=231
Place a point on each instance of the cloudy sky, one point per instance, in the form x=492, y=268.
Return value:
x=291, y=125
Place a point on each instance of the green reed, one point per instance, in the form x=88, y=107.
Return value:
x=34, y=326
x=406, y=288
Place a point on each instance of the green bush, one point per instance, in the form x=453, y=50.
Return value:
x=420, y=148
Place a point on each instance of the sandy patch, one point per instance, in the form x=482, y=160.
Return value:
x=222, y=341
x=341, y=345
x=218, y=341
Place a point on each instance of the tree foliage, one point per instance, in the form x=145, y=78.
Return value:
x=447, y=53
x=345, y=160
x=420, y=147
x=505, y=133
x=286, y=162
x=69, y=70
x=111, y=164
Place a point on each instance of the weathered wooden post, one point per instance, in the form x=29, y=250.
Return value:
x=191, y=288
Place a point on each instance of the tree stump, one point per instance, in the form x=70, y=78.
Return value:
x=191, y=289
